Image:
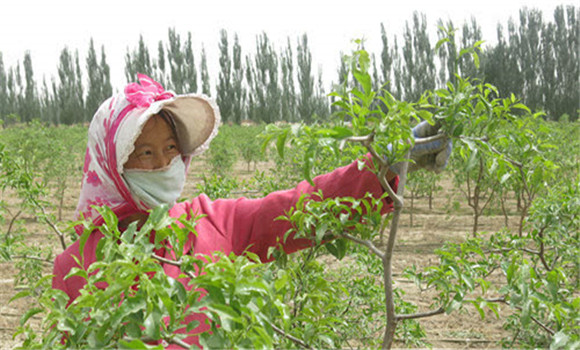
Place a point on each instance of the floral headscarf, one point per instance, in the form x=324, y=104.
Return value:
x=112, y=133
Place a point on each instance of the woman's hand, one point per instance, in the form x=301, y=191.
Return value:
x=431, y=150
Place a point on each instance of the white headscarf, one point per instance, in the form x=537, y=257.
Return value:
x=115, y=127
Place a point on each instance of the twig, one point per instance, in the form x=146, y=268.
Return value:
x=33, y=258
x=174, y=263
x=541, y=252
x=494, y=150
x=52, y=225
x=12, y=223
x=543, y=326
x=420, y=314
x=179, y=342
x=366, y=243
x=290, y=337
x=367, y=142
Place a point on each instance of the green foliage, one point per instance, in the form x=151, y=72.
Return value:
x=222, y=154
x=540, y=270
x=256, y=306
x=248, y=143
x=216, y=186
x=54, y=153
x=28, y=259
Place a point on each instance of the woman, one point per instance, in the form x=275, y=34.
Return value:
x=140, y=146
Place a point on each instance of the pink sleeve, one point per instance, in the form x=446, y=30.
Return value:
x=250, y=224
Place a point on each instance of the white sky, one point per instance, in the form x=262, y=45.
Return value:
x=45, y=27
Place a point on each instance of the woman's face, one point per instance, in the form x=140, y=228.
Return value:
x=155, y=147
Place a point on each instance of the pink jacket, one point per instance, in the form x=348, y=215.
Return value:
x=233, y=225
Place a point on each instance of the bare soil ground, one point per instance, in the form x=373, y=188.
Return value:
x=415, y=245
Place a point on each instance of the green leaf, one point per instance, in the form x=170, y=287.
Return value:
x=441, y=42
x=559, y=340
x=281, y=142
x=153, y=326
x=137, y=344
x=29, y=313
x=22, y=294
x=338, y=132
x=522, y=106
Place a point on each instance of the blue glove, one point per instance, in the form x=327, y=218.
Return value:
x=432, y=155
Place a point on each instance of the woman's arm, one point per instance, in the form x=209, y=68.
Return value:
x=237, y=225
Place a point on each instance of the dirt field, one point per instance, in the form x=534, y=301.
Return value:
x=460, y=330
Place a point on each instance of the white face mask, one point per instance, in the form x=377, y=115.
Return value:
x=159, y=186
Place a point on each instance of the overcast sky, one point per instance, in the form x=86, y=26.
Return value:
x=45, y=27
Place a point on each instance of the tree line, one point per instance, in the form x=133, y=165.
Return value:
x=535, y=59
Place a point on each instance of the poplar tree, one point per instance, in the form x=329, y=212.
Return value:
x=224, y=87
x=386, y=61
x=567, y=60
x=513, y=73
x=160, y=74
x=397, y=87
x=342, y=73
x=305, y=105
x=11, y=93
x=47, y=104
x=288, y=89
x=29, y=103
x=250, y=73
x=548, y=83
x=3, y=90
x=529, y=52
x=99, y=82
x=265, y=89
x=470, y=34
x=497, y=64
x=69, y=91
x=176, y=60
x=321, y=101
x=447, y=52
x=205, y=83
x=138, y=61
x=238, y=93
x=190, y=71
x=418, y=75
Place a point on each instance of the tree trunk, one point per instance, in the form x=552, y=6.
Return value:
x=503, y=199
x=411, y=210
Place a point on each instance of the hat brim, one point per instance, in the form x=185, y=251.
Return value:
x=196, y=117
x=195, y=121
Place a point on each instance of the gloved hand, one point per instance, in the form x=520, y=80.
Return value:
x=432, y=155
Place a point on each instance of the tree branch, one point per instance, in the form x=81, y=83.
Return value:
x=504, y=301
x=290, y=337
x=33, y=258
x=420, y=314
x=366, y=243
x=52, y=225
x=174, y=263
